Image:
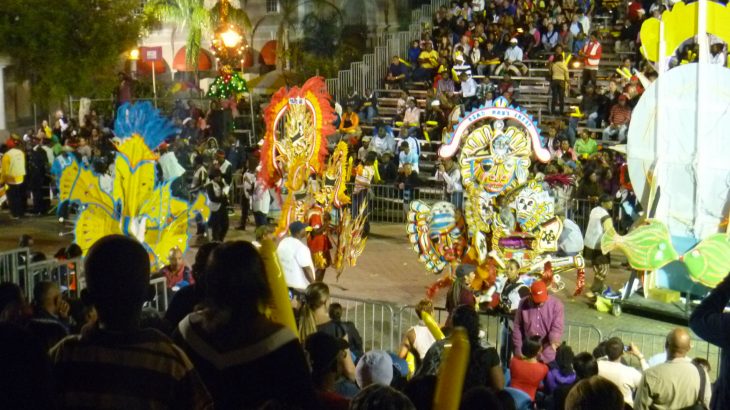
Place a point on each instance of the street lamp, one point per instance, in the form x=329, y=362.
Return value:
x=231, y=38
x=133, y=57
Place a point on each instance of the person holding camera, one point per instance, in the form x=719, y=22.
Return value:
x=611, y=367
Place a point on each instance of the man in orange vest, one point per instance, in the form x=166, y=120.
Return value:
x=591, y=54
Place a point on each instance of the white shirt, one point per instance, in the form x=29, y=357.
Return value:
x=513, y=54
x=261, y=198
x=469, y=88
x=718, y=59
x=423, y=339
x=594, y=231
x=294, y=256
x=452, y=179
x=626, y=378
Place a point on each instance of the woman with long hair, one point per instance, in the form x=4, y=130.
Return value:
x=314, y=316
x=244, y=358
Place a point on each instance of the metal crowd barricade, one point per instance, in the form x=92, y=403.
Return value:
x=387, y=203
x=407, y=318
x=13, y=265
x=160, y=300
x=652, y=344
x=581, y=337
x=374, y=320
x=68, y=274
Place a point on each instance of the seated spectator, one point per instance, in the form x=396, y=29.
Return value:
x=412, y=114
x=383, y=140
x=350, y=126
x=585, y=367
x=562, y=374
x=397, y=74
x=484, y=368
x=113, y=358
x=381, y=398
x=418, y=339
x=618, y=120
x=176, y=272
x=427, y=64
x=326, y=359
x=595, y=393
x=407, y=156
x=388, y=167
x=512, y=62
x=51, y=320
x=375, y=367
x=586, y=146
x=184, y=301
x=564, y=150
x=83, y=312
x=551, y=38
x=26, y=377
x=468, y=92
x=413, y=53
x=611, y=367
x=342, y=329
x=506, y=87
x=527, y=372
x=400, y=107
x=369, y=108
x=243, y=357
x=489, y=60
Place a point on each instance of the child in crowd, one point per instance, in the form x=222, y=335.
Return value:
x=526, y=372
x=562, y=374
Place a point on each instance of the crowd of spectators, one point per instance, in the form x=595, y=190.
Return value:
x=215, y=348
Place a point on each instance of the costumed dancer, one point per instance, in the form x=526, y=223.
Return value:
x=198, y=184
x=318, y=241
x=599, y=222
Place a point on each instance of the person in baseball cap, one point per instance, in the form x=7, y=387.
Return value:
x=327, y=358
x=296, y=228
x=539, y=292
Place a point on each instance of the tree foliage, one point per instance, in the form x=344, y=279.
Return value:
x=185, y=14
x=68, y=47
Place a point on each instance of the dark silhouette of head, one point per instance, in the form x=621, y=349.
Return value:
x=117, y=276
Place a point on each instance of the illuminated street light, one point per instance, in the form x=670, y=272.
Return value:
x=134, y=54
x=231, y=38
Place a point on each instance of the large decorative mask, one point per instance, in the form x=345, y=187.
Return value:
x=437, y=234
x=494, y=158
x=533, y=206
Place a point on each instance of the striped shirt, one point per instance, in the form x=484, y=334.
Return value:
x=142, y=369
x=620, y=115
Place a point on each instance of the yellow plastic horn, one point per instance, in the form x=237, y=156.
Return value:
x=452, y=372
x=281, y=309
x=432, y=326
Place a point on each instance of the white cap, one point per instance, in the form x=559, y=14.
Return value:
x=513, y=40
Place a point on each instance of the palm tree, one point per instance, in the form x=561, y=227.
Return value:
x=190, y=14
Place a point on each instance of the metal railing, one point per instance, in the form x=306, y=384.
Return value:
x=370, y=72
x=13, y=265
x=388, y=205
x=160, y=300
x=68, y=274
x=652, y=344
x=374, y=321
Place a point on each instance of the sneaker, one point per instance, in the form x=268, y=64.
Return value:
x=590, y=295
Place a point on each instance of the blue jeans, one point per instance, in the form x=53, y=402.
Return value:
x=367, y=114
